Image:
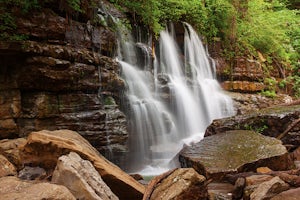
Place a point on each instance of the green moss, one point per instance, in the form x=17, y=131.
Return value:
x=108, y=101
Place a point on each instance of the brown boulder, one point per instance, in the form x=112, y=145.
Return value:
x=6, y=168
x=292, y=194
x=81, y=178
x=11, y=188
x=269, y=188
x=45, y=147
x=179, y=184
x=10, y=149
x=233, y=152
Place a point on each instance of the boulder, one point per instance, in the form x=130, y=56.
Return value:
x=6, y=168
x=81, y=178
x=179, y=184
x=11, y=188
x=292, y=194
x=45, y=147
x=10, y=149
x=233, y=152
x=269, y=188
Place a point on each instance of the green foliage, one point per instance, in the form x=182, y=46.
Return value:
x=108, y=101
x=244, y=27
x=270, y=90
x=268, y=29
x=269, y=93
x=156, y=14
x=220, y=15
x=75, y=5
x=256, y=128
x=7, y=19
x=295, y=81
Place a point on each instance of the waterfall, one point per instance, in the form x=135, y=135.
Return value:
x=171, y=100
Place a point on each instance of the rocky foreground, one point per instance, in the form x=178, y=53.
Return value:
x=228, y=164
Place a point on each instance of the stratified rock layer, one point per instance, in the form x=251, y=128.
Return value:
x=61, y=78
x=43, y=148
x=234, y=151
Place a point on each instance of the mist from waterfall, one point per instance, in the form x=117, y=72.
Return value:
x=171, y=100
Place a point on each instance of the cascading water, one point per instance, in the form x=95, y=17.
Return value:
x=159, y=126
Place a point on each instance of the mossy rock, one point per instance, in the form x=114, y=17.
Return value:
x=233, y=152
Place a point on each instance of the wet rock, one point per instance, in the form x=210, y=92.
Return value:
x=99, y=38
x=292, y=194
x=81, y=178
x=6, y=168
x=43, y=148
x=11, y=150
x=55, y=86
x=268, y=189
x=234, y=151
x=270, y=121
x=32, y=173
x=13, y=188
x=179, y=184
x=59, y=77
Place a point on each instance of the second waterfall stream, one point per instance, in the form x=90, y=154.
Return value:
x=171, y=99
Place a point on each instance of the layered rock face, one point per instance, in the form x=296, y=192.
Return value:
x=62, y=78
x=281, y=122
x=246, y=76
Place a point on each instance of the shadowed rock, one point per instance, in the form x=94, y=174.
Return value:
x=10, y=149
x=234, y=151
x=6, y=168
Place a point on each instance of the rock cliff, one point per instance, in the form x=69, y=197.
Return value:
x=62, y=77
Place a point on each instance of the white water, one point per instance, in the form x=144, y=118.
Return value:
x=160, y=126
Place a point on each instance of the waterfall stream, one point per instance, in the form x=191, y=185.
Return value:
x=170, y=101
